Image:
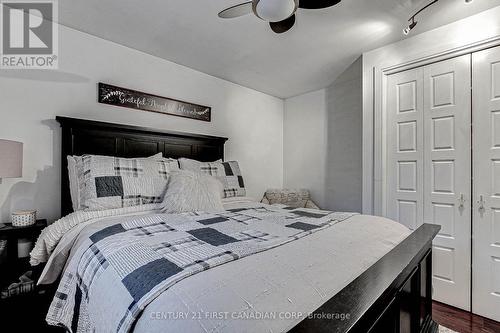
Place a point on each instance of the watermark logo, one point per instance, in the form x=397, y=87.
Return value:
x=29, y=36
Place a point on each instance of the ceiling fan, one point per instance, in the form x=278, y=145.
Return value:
x=279, y=13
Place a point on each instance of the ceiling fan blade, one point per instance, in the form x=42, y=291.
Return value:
x=283, y=26
x=317, y=4
x=237, y=11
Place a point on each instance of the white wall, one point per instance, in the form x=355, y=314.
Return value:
x=343, y=186
x=480, y=27
x=30, y=100
x=304, y=143
x=322, y=142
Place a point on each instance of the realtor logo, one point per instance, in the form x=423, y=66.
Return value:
x=29, y=35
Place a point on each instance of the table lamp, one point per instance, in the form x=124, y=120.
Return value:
x=11, y=159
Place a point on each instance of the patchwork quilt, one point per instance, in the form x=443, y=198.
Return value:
x=120, y=265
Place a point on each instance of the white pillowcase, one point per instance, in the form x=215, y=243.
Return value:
x=189, y=191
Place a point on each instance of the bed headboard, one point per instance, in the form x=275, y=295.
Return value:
x=81, y=136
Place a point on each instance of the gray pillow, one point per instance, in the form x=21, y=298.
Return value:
x=189, y=191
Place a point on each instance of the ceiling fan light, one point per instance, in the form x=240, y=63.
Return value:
x=275, y=11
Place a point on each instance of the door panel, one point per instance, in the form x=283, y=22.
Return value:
x=447, y=173
x=404, y=188
x=428, y=166
x=486, y=161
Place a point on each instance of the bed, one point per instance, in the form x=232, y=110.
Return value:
x=351, y=273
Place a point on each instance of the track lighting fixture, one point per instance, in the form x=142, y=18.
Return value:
x=412, y=23
x=410, y=26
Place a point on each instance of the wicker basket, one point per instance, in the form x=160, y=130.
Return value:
x=24, y=218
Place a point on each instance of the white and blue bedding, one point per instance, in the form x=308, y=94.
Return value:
x=155, y=272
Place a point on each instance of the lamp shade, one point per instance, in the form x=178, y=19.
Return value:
x=11, y=159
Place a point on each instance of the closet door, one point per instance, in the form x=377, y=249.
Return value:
x=486, y=208
x=447, y=173
x=404, y=167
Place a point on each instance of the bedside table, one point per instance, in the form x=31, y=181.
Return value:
x=14, y=267
x=26, y=311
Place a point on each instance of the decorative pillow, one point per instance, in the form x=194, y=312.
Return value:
x=296, y=198
x=228, y=173
x=189, y=191
x=107, y=182
x=77, y=185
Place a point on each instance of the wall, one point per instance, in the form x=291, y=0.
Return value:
x=480, y=27
x=344, y=150
x=322, y=142
x=304, y=143
x=30, y=100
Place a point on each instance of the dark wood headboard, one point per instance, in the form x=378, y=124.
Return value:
x=81, y=137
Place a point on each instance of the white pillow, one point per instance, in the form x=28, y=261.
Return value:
x=189, y=191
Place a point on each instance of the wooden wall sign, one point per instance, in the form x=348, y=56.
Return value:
x=113, y=95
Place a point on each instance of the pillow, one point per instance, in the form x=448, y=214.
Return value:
x=107, y=182
x=190, y=192
x=296, y=198
x=228, y=173
x=75, y=183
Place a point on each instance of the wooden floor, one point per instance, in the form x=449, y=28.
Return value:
x=462, y=321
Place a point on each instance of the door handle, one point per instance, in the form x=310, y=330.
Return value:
x=481, y=202
x=461, y=201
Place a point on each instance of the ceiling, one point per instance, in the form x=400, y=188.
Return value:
x=244, y=50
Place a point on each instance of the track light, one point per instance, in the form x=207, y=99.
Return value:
x=413, y=23
x=468, y=1
x=410, y=26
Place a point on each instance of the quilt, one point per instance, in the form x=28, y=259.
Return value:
x=121, y=265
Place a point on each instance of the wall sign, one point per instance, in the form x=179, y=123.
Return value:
x=138, y=100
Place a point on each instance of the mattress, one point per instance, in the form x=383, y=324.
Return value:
x=270, y=291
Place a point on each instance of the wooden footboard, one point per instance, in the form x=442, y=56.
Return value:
x=394, y=295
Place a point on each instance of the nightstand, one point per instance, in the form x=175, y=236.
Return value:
x=14, y=267
x=26, y=311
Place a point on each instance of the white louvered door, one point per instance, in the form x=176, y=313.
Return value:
x=447, y=176
x=486, y=165
x=428, y=173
